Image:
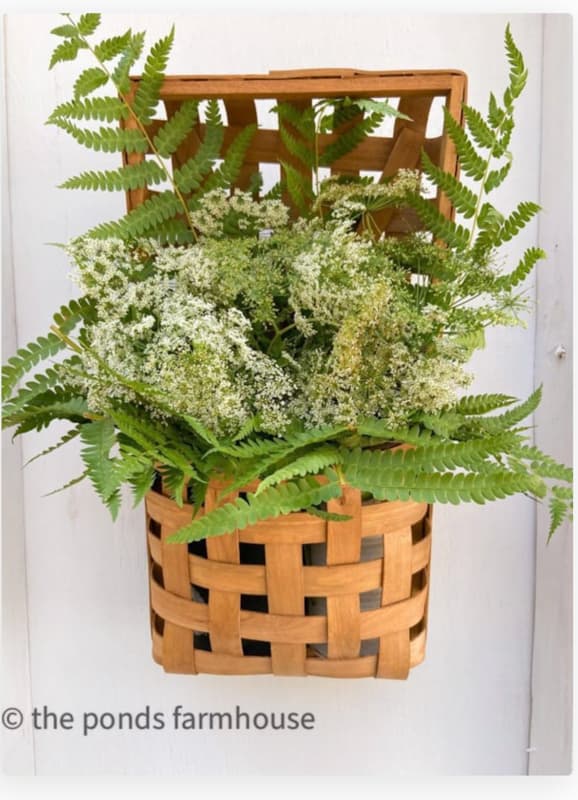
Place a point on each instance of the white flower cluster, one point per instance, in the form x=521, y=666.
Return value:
x=220, y=213
x=316, y=323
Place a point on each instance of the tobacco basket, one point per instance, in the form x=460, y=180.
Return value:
x=297, y=595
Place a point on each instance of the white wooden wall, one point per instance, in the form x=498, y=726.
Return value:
x=76, y=584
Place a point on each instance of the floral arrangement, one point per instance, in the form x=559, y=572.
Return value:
x=217, y=334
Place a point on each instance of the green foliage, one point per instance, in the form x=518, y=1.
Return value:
x=98, y=439
x=142, y=220
x=470, y=450
x=105, y=109
x=147, y=93
x=273, y=502
x=89, y=81
x=176, y=129
x=133, y=176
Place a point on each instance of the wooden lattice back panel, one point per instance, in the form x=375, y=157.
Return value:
x=382, y=155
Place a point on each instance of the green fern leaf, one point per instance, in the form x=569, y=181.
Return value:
x=67, y=437
x=229, y=171
x=68, y=485
x=328, y=516
x=141, y=482
x=501, y=422
x=350, y=139
x=133, y=176
x=310, y=464
x=87, y=24
x=148, y=91
x=26, y=359
x=298, y=187
x=518, y=71
x=39, y=384
x=66, y=31
x=109, y=140
x=482, y=134
x=302, y=120
x=51, y=405
x=99, y=438
x=455, y=236
x=471, y=163
x=130, y=55
x=175, y=130
x=497, y=176
x=106, y=109
x=112, y=47
x=89, y=81
x=193, y=172
x=297, y=147
x=527, y=263
x=517, y=220
x=462, y=198
x=474, y=405
x=274, y=502
x=144, y=219
x=496, y=115
x=66, y=51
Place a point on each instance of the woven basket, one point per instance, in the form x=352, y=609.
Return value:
x=208, y=590
x=296, y=595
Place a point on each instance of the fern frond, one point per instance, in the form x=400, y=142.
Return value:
x=302, y=120
x=149, y=86
x=109, y=140
x=377, y=429
x=175, y=480
x=560, y=507
x=89, y=81
x=141, y=482
x=527, y=263
x=462, y=198
x=112, y=47
x=132, y=176
x=542, y=464
x=66, y=51
x=518, y=71
x=88, y=24
x=298, y=187
x=274, y=502
x=130, y=55
x=105, y=109
x=229, y=171
x=481, y=132
x=471, y=162
x=26, y=359
x=482, y=403
x=310, y=464
x=176, y=129
x=50, y=406
x=439, y=487
x=455, y=236
x=67, y=437
x=99, y=438
x=350, y=139
x=501, y=422
x=39, y=384
x=497, y=176
x=193, y=172
x=68, y=485
x=143, y=219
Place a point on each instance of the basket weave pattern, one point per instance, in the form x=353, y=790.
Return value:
x=284, y=581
